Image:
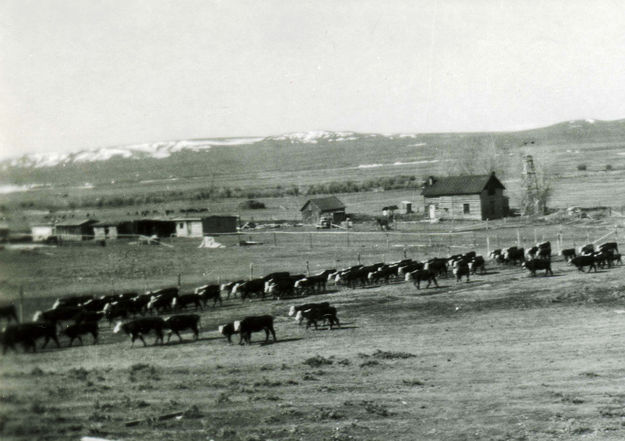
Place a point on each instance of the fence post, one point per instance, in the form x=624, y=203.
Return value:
x=251, y=271
x=387, y=243
x=179, y=279
x=310, y=239
x=347, y=233
x=487, y=246
x=275, y=241
x=404, y=252
x=518, y=238
x=358, y=258
x=307, y=269
x=21, y=303
x=535, y=237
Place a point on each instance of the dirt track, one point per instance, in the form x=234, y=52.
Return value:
x=505, y=356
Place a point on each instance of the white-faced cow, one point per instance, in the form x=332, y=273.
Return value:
x=142, y=326
x=27, y=335
x=316, y=314
x=419, y=276
x=251, y=324
x=538, y=264
x=227, y=331
x=77, y=330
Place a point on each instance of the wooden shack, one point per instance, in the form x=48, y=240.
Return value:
x=41, y=233
x=315, y=209
x=105, y=231
x=188, y=227
x=478, y=197
x=75, y=230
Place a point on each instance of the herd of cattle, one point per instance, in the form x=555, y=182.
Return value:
x=138, y=314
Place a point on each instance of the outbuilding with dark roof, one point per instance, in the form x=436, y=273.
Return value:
x=465, y=197
x=330, y=207
x=75, y=230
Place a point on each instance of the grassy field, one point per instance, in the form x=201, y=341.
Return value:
x=505, y=356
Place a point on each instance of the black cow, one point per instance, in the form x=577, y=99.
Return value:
x=568, y=254
x=610, y=247
x=184, y=300
x=119, y=309
x=229, y=287
x=27, y=335
x=77, y=330
x=544, y=250
x=383, y=273
x=318, y=313
x=531, y=252
x=209, y=292
x=137, y=328
x=71, y=301
x=581, y=261
x=8, y=312
x=419, y=276
x=402, y=270
x=227, y=331
x=251, y=324
x=538, y=264
x=161, y=299
x=177, y=323
x=587, y=250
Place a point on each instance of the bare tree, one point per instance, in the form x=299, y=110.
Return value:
x=476, y=155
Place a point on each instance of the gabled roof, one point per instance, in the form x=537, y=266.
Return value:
x=329, y=203
x=76, y=223
x=459, y=185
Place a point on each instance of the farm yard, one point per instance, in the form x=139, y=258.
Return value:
x=504, y=356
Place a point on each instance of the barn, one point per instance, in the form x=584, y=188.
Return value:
x=41, y=233
x=219, y=224
x=478, y=197
x=315, y=209
x=188, y=226
x=75, y=230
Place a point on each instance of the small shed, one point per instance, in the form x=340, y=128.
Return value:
x=75, y=230
x=4, y=233
x=405, y=207
x=477, y=197
x=105, y=231
x=188, y=226
x=219, y=224
x=315, y=209
x=41, y=233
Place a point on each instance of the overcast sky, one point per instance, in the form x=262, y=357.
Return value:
x=78, y=74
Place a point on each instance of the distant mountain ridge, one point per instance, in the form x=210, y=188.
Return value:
x=290, y=151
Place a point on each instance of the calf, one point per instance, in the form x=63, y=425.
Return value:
x=177, y=323
x=137, y=328
x=184, y=300
x=280, y=287
x=77, y=330
x=251, y=324
x=27, y=335
x=419, y=276
x=537, y=264
x=581, y=261
x=227, y=331
x=315, y=314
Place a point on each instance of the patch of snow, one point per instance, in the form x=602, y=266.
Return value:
x=424, y=161
x=369, y=165
x=418, y=144
x=590, y=121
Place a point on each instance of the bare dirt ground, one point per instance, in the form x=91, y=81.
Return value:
x=505, y=356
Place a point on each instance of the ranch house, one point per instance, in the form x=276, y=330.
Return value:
x=41, y=233
x=465, y=197
x=315, y=209
x=188, y=227
x=75, y=230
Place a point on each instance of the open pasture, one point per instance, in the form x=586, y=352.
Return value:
x=505, y=356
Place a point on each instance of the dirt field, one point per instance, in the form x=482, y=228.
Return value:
x=505, y=356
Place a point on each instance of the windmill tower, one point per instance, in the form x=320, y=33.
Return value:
x=531, y=201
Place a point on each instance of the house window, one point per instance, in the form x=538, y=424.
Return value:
x=180, y=225
x=466, y=208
